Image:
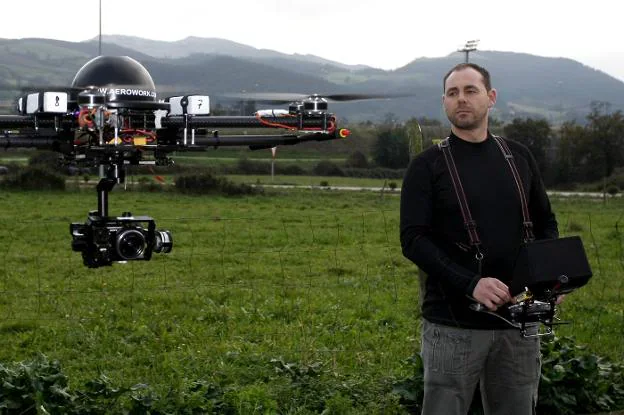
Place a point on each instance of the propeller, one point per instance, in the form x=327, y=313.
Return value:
x=286, y=97
x=25, y=89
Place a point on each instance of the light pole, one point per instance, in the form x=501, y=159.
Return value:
x=470, y=46
x=559, y=85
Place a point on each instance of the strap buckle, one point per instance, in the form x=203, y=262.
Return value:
x=470, y=225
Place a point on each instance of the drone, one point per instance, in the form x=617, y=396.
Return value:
x=538, y=281
x=110, y=117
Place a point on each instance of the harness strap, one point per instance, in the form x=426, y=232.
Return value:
x=469, y=222
x=528, y=225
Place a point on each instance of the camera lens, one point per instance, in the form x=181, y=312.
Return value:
x=130, y=244
x=163, y=242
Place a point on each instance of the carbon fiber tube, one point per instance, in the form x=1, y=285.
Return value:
x=201, y=142
x=206, y=121
x=42, y=143
x=259, y=141
x=17, y=121
x=196, y=121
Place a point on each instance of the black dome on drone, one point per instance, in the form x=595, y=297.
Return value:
x=124, y=78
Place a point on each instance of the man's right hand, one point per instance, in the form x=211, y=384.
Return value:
x=491, y=292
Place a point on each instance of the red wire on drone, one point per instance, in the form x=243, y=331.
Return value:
x=331, y=124
x=272, y=124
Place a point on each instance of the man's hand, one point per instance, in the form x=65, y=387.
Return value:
x=491, y=292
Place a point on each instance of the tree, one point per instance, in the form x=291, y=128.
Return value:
x=535, y=134
x=391, y=148
x=607, y=135
x=572, y=156
x=426, y=121
x=357, y=159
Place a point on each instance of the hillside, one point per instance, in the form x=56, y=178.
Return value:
x=528, y=85
x=195, y=45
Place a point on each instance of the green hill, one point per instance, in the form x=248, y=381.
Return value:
x=554, y=88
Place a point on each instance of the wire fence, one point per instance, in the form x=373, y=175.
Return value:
x=301, y=285
x=305, y=284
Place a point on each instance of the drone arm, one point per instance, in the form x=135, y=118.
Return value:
x=259, y=141
x=21, y=121
x=201, y=121
x=30, y=141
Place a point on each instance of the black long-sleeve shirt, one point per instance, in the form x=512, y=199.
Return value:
x=433, y=235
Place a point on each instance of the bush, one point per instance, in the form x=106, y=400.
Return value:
x=150, y=185
x=577, y=381
x=375, y=173
x=40, y=386
x=34, y=178
x=357, y=159
x=9, y=168
x=613, y=190
x=327, y=168
x=48, y=159
x=573, y=381
x=247, y=166
x=207, y=183
x=290, y=170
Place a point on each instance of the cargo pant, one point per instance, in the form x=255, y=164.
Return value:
x=505, y=364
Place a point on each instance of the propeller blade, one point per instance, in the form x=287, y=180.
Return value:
x=358, y=97
x=25, y=89
x=286, y=97
x=268, y=97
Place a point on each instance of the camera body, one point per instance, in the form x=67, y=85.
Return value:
x=103, y=240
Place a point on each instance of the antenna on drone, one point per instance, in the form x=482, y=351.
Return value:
x=470, y=46
x=100, y=37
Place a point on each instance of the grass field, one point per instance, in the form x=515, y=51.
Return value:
x=258, y=291
x=211, y=158
x=265, y=180
x=315, y=181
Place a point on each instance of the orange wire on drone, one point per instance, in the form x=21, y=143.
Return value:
x=86, y=117
x=330, y=129
x=129, y=136
x=273, y=124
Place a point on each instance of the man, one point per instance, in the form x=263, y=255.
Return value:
x=461, y=347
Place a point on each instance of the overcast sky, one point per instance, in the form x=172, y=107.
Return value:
x=381, y=33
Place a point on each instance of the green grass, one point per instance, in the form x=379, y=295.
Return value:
x=302, y=277
x=263, y=180
x=20, y=157
x=249, y=280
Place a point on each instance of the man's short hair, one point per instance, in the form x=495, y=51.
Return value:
x=459, y=67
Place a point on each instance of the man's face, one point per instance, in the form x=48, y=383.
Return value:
x=466, y=101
